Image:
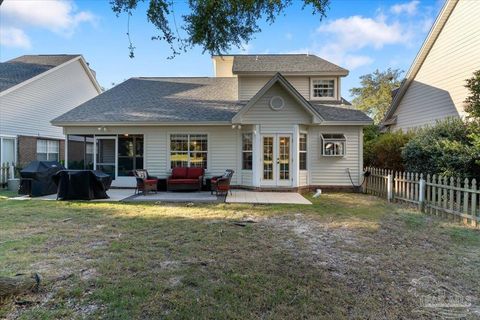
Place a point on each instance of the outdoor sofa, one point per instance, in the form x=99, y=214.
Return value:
x=185, y=179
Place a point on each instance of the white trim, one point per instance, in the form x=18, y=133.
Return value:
x=169, y=151
x=139, y=123
x=276, y=182
x=322, y=144
x=257, y=160
x=335, y=89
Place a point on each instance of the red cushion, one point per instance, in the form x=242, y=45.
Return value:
x=179, y=173
x=150, y=180
x=194, y=173
x=183, y=181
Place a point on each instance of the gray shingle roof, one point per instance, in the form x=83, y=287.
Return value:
x=170, y=100
x=20, y=69
x=284, y=63
x=161, y=100
x=332, y=113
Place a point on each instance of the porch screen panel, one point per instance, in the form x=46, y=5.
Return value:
x=80, y=152
x=188, y=150
x=130, y=154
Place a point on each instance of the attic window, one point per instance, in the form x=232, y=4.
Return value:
x=323, y=89
x=333, y=145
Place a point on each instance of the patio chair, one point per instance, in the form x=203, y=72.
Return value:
x=145, y=182
x=221, y=184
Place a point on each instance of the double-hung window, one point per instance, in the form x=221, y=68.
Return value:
x=188, y=150
x=47, y=150
x=302, y=151
x=323, y=89
x=130, y=154
x=333, y=144
x=247, y=150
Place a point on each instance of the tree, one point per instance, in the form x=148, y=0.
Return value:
x=472, y=103
x=445, y=148
x=375, y=94
x=215, y=25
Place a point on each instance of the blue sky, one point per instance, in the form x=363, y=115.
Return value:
x=360, y=35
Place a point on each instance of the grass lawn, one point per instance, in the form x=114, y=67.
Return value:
x=347, y=256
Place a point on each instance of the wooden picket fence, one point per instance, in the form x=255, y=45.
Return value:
x=443, y=196
x=6, y=172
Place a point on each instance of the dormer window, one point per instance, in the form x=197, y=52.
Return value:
x=323, y=89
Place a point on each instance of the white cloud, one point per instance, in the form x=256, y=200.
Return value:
x=14, y=37
x=356, y=61
x=409, y=8
x=358, y=32
x=59, y=16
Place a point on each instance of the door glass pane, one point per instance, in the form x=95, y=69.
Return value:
x=284, y=158
x=268, y=158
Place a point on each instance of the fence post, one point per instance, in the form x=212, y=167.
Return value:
x=421, y=194
x=389, y=187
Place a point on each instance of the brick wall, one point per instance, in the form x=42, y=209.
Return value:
x=27, y=149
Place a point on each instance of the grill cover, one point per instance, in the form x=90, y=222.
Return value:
x=36, y=178
x=82, y=184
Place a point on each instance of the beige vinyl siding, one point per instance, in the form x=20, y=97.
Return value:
x=246, y=178
x=223, y=150
x=248, y=86
x=438, y=89
x=331, y=171
x=29, y=109
x=303, y=178
x=261, y=113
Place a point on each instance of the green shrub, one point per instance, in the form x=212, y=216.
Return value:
x=446, y=148
x=384, y=150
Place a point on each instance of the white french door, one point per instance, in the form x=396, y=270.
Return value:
x=106, y=155
x=276, y=167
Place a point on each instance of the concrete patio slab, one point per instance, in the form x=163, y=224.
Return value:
x=114, y=194
x=246, y=196
x=200, y=196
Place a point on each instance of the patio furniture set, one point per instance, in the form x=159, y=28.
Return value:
x=183, y=179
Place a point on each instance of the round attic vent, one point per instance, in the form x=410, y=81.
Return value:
x=277, y=103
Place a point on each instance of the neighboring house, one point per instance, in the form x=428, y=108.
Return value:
x=434, y=87
x=33, y=90
x=279, y=121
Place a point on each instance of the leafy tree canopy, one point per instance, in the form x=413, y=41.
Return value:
x=472, y=103
x=375, y=94
x=215, y=25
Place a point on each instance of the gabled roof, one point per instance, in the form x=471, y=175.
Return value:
x=285, y=64
x=24, y=68
x=432, y=36
x=160, y=100
x=278, y=78
x=186, y=101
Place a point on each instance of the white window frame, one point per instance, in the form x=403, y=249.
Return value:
x=247, y=151
x=169, y=162
x=48, y=143
x=6, y=137
x=324, y=141
x=335, y=88
x=303, y=151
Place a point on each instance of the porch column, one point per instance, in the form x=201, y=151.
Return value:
x=256, y=156
x=295, y=160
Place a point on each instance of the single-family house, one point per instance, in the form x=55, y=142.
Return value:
x=278, y=121
x=34, y=89
x=434, y=87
